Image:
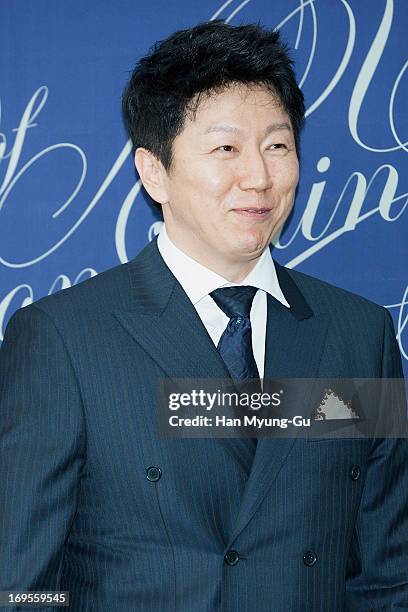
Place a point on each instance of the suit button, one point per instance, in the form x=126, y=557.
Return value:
x=355, y=472
x=309, y=558
x=153, y=473
x=231, y=557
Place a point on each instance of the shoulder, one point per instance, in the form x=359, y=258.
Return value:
x=326, y=297
x=91, y=298
x=93, y=301
x=358, y=326
x=352, y=316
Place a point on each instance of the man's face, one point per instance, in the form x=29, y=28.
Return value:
x=233, y=178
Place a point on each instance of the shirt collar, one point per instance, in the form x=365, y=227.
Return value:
x=198, y=281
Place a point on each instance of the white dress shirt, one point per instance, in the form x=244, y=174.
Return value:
x=198, y=282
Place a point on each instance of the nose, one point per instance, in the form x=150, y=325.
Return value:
x=254, y=172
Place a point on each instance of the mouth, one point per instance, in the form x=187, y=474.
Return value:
x=253, y=213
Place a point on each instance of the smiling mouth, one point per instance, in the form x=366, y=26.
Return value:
x=252, y=212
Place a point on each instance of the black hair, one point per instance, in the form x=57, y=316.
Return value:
x=167, y=84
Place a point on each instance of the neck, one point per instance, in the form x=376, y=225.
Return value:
x=233, y=271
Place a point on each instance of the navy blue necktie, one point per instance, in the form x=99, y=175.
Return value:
x=235, y=344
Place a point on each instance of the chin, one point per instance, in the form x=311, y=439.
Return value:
x=249, y=249
x=254, y=243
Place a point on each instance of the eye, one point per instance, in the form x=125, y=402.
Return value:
x=225, y=147
x=278, y=145
x=279, y=149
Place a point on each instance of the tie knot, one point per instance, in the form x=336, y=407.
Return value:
x=234, y=301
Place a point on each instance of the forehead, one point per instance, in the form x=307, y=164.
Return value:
x=237, y=104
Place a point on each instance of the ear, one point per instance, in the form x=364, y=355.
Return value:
x=152, y=174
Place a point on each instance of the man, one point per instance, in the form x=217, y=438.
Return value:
x=93, y=500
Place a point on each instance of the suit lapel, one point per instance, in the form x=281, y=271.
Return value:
x=161, y=318
x=295, y=340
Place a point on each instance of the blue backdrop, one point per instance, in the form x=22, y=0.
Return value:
x=70, y=201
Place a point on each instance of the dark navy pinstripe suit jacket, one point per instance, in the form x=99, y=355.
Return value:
x=78, y=431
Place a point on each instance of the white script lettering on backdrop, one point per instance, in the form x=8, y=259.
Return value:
x=348, y=212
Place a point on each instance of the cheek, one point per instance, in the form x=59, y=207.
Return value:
x=204, y=193
x=213, y=177
x=294, y=175
x=288, y=181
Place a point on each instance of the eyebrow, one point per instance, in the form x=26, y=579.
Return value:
x=223, y=127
